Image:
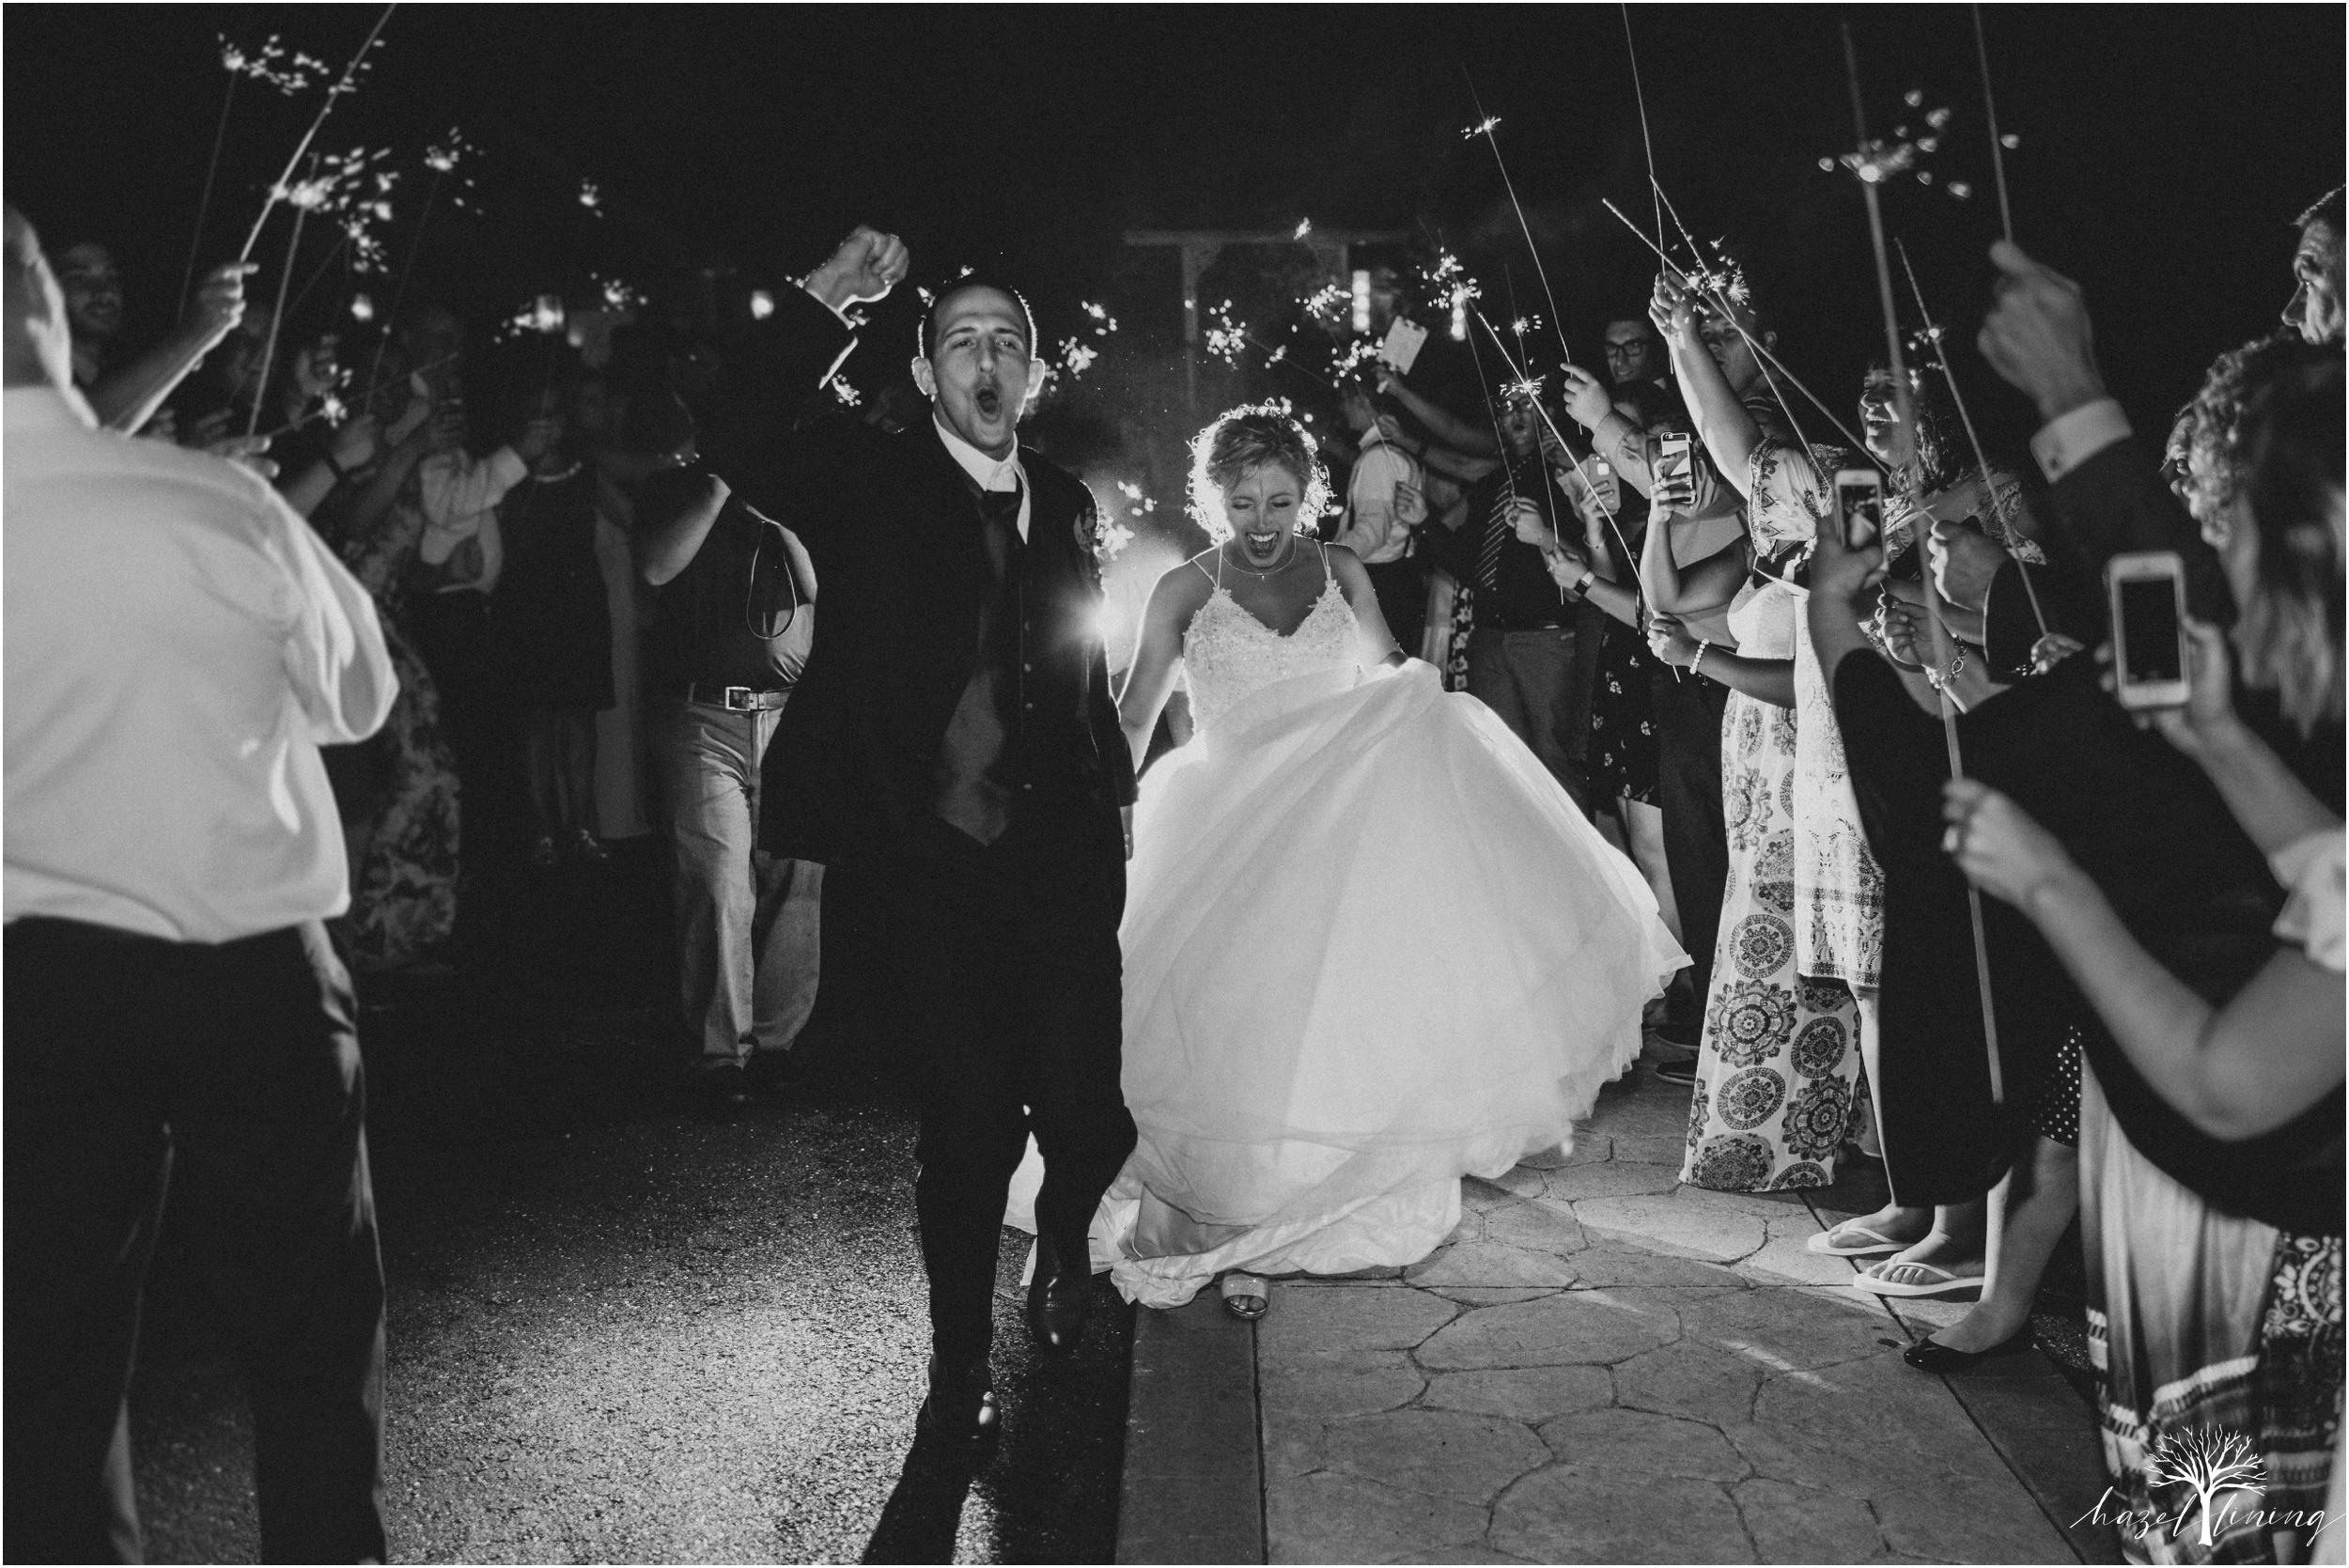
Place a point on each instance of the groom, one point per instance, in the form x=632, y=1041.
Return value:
x=955, y=732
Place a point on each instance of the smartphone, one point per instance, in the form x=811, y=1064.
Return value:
x=2148, y=592
x=1673, y=471
x=1859, y=506
x=1603, y=482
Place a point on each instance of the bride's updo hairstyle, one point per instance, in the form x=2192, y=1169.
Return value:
x=1247, y=438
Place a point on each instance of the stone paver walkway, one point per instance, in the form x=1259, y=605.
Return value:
x=1601, y=1366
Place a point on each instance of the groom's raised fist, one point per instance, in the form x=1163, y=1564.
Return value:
x=867, y=266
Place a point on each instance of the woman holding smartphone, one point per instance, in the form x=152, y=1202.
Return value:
x=2214, y=1319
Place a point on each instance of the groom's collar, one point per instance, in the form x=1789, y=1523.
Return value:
x=988, y=473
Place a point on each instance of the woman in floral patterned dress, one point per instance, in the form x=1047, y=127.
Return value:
x=1779, y=1061
x=403, y=849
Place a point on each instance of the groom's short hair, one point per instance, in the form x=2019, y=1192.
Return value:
x=925, y=331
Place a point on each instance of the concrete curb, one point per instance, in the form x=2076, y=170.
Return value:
x=1193, y=1489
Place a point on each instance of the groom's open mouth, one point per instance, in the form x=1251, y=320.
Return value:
x=988, y=399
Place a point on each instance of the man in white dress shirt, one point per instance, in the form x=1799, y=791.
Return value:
x=178, y=645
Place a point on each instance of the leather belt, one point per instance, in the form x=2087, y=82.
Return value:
x=736, y=699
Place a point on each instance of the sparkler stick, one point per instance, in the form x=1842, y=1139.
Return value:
x=1485, y=124
x=277, y=316
x=1524, y=380
x=1982, y=462
x=399, y=290
x=1905, y=402
x=278, y=191
x=204, y=206
x=317, y=272
x=1990, y=107
x=1769, y=361
x=1654, y=186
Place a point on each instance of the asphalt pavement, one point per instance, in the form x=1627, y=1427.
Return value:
x=625, y=1326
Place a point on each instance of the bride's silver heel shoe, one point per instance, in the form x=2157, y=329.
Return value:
x=1245, y=1296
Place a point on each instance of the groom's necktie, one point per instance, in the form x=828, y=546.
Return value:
x=974, y=787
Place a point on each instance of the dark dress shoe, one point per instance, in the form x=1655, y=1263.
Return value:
x=961, y=1413
x=1058, y=1298
x=725, y=1087
x=1941, y=1360
x=1683, y=1072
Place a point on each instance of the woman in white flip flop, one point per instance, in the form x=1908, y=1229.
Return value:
x=1310, y=1090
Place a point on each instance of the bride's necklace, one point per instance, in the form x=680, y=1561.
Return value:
x=1284, y=563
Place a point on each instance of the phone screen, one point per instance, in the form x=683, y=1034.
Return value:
x=1673, y=479
x=2148, y=630
x=1861, y=508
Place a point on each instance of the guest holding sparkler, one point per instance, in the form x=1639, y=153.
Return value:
x=551, y=623
x=2214, y=1317
x=1533, y=651
x=1700, y=522
x=1779, y=1056
x=123, y=396
x=398, y=793
x=1374, y=527
x=178, y=1017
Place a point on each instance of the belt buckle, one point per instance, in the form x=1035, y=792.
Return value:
x=740, y=698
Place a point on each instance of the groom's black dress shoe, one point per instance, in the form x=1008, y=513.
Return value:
x=961, y=1413
x=1059, y=1297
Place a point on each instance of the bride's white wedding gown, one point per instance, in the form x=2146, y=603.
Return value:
x=1370, y=946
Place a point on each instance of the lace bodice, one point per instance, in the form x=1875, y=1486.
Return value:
x=1229, y=654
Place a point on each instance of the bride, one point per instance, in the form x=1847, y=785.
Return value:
x=1371, y=945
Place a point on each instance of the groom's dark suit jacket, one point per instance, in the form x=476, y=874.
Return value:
x=893, y=526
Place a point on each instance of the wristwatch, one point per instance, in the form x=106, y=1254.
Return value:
x=1583, y=583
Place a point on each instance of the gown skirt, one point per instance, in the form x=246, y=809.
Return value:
x=1371, y=947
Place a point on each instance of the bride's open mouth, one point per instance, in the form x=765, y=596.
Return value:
x=1261, y=546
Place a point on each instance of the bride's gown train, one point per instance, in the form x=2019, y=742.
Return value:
x=1370, y=946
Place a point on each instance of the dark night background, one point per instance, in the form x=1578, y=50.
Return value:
x=2163, y=151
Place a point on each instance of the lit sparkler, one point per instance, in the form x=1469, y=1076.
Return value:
x=289, y=70
x=1904, y=402
x=347, y=83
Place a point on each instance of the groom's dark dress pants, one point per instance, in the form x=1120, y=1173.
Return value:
x=1012, y=952
x=237, y=1063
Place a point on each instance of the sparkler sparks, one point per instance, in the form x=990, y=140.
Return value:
x=1303, y=228
x=1226, y=337
x=1482, y=127
x=348, y=81
x=591, y=197
x=289, y=70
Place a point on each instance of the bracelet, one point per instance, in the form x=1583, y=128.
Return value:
x=1941, y=678
x=1696, y=665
